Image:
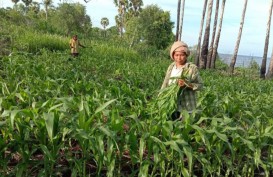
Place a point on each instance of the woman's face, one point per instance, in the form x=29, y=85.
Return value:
x=180, y=57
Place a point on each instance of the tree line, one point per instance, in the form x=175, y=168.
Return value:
x=206, y=52
x=150, y=25
x=134, y=24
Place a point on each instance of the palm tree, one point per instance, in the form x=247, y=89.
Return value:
x=47, y=3
x=27, y=3
x=118, y=24
x=204, y=51
x=177, y=20
x=214, y=52
x=213, y=35
x=233, y=59
x=135, y=7
x=263, y=66
x=104, y=22
x=35, y=7
x=126, y=10
x=200, y=33
x=122, y=7
x=15, y=2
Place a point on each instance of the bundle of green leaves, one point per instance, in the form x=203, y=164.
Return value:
x=165, y=104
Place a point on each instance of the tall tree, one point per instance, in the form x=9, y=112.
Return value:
x=119, y=24
x=263, y=66
x=126, y=10
x=133, y=35
x=27, y=3
x=15, y=2
x=47, y=3
x=104, y=22
x=215, y=48
x=70, y=18
x=200, y=33
x=178, y=20
x=156, y=27
x=213, y=35
x=134, y=8
x=120, y=18
x=234, y=56
x=204, y=51
x=181, y=20
x=35, y=7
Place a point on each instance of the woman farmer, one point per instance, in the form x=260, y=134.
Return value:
x=186, y=75
x=74, y=44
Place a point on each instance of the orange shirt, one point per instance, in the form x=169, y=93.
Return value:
x=74, y=45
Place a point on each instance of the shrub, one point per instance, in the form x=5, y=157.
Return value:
x=33, y=42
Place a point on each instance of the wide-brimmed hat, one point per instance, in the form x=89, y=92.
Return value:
x=179, y=46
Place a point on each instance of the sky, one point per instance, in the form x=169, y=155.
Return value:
x=253, y=34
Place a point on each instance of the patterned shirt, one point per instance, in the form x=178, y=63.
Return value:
x=187, y=100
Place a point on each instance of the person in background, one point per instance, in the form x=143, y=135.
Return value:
x=186, y=75
x=74, y=44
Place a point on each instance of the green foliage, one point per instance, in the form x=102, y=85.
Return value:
x=70, y=18
x=33, y=42
x=91, y=116
x=254, y=65
x=66, y=19
x=132, y=34
x=146, y=51
x=156, y=27
x=11, y=17
x=252, y=71
x=5, y=45
x=221, y=65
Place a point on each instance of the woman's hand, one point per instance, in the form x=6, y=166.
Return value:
x=181, y=82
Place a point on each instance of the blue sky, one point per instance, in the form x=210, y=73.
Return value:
x=253, y=36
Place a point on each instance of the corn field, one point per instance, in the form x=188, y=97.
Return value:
x=98, y=115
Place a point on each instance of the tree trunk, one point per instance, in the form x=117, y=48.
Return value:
x=263, y=66
x=233, y=59
x=122, y=20
x=197, y=56
x=181, y=20
x=213, y=35
x=214, y=51
x=46, y=11
x=133, y=38
x=178, y=20
x=269, y=74
x=204, y=51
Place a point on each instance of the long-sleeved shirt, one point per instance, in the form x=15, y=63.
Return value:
x=187, y=100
